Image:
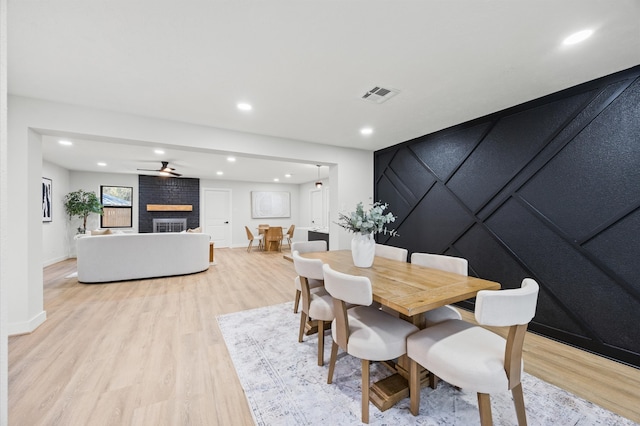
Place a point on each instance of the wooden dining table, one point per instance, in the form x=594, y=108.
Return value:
x=410, y=290
x=264, y=231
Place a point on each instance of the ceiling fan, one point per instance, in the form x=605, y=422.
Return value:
x=164, y=169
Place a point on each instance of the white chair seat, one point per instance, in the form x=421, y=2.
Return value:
x=445, y=349
x=321, y=306
x=441, y=314
x=376, y=335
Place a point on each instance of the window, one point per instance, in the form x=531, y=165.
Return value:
x=117, y=202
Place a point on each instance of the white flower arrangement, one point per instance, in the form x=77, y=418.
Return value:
x=367, y=222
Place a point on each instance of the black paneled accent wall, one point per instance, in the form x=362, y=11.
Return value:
x=167, y=190
x=550, y=190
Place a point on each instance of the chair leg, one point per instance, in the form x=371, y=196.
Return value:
x=332, y=362
x=303, y=322
x=414, y=387
x=484, y=406
x=249, y=248
x=296, y=302
x=320, y=343
x=433, y=380
x=518, y=400
x=365, y=391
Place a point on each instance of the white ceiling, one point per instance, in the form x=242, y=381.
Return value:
x=304, y=65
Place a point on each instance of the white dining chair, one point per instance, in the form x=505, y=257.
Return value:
x=317, y=304
x=471, y=357
x=391, y=252
x=306, y=247
x=457, y=265
x=362, y=331
x=253, y=238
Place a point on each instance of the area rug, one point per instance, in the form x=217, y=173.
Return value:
x=285, y=386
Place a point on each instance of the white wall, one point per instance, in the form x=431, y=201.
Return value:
x=241, y=206
x=55, y=246
x=89, y=181
x=4, y=223
x=305, y=203
x=351, y=176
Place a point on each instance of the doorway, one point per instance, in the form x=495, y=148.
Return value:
x=217, y=216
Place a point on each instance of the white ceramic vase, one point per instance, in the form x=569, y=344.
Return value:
x=363, y=250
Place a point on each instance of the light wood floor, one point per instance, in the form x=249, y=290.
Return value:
x=150, y=352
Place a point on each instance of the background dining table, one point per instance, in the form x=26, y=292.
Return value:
x=264, y=230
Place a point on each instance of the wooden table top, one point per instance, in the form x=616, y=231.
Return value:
x=407, y=288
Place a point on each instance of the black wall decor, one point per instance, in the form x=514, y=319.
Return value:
x=167, y=190
x=549, y=189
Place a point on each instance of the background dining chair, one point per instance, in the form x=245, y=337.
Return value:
x=289, y=235
x=317, y=304
x=306, y=247
x=262, y=228
x=362, y=331
x=391, y=252
x=472, y=357
x=251, y=239
x=274, y=236
x=457, y=265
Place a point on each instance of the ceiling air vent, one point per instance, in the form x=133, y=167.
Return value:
x=379, y=94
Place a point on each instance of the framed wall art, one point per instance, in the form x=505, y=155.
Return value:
x=47, y=205
x=270, y=204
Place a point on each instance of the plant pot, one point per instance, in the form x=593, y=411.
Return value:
x=363, y=250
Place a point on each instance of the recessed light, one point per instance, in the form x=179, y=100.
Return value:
x=159, y=151
x=366, y=130
x=288, y=175
x=577, y=37
x=219, y=173
x=276, y=180
x=244, y=106
x=231, y=159
x=102, y=164
x=65, y=143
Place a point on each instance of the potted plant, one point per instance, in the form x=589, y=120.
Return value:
x=364, y=224
x=81, y=203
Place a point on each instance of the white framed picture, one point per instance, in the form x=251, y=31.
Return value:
x=46, y=199
x=270, y=204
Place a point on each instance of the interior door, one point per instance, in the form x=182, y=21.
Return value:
x=217, y=216
x=316, y=209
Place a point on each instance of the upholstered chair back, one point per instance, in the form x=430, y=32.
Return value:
x=351, y=289
x=391, y=252
x=308, y=268
x=457, y=265
x=309, y=246
x=507, y=307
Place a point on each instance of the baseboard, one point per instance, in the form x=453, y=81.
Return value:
x=56, y=260
x=17, y=328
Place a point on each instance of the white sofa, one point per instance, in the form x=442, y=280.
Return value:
x=118, y=257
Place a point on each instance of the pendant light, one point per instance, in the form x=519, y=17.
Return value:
x=318, y=182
